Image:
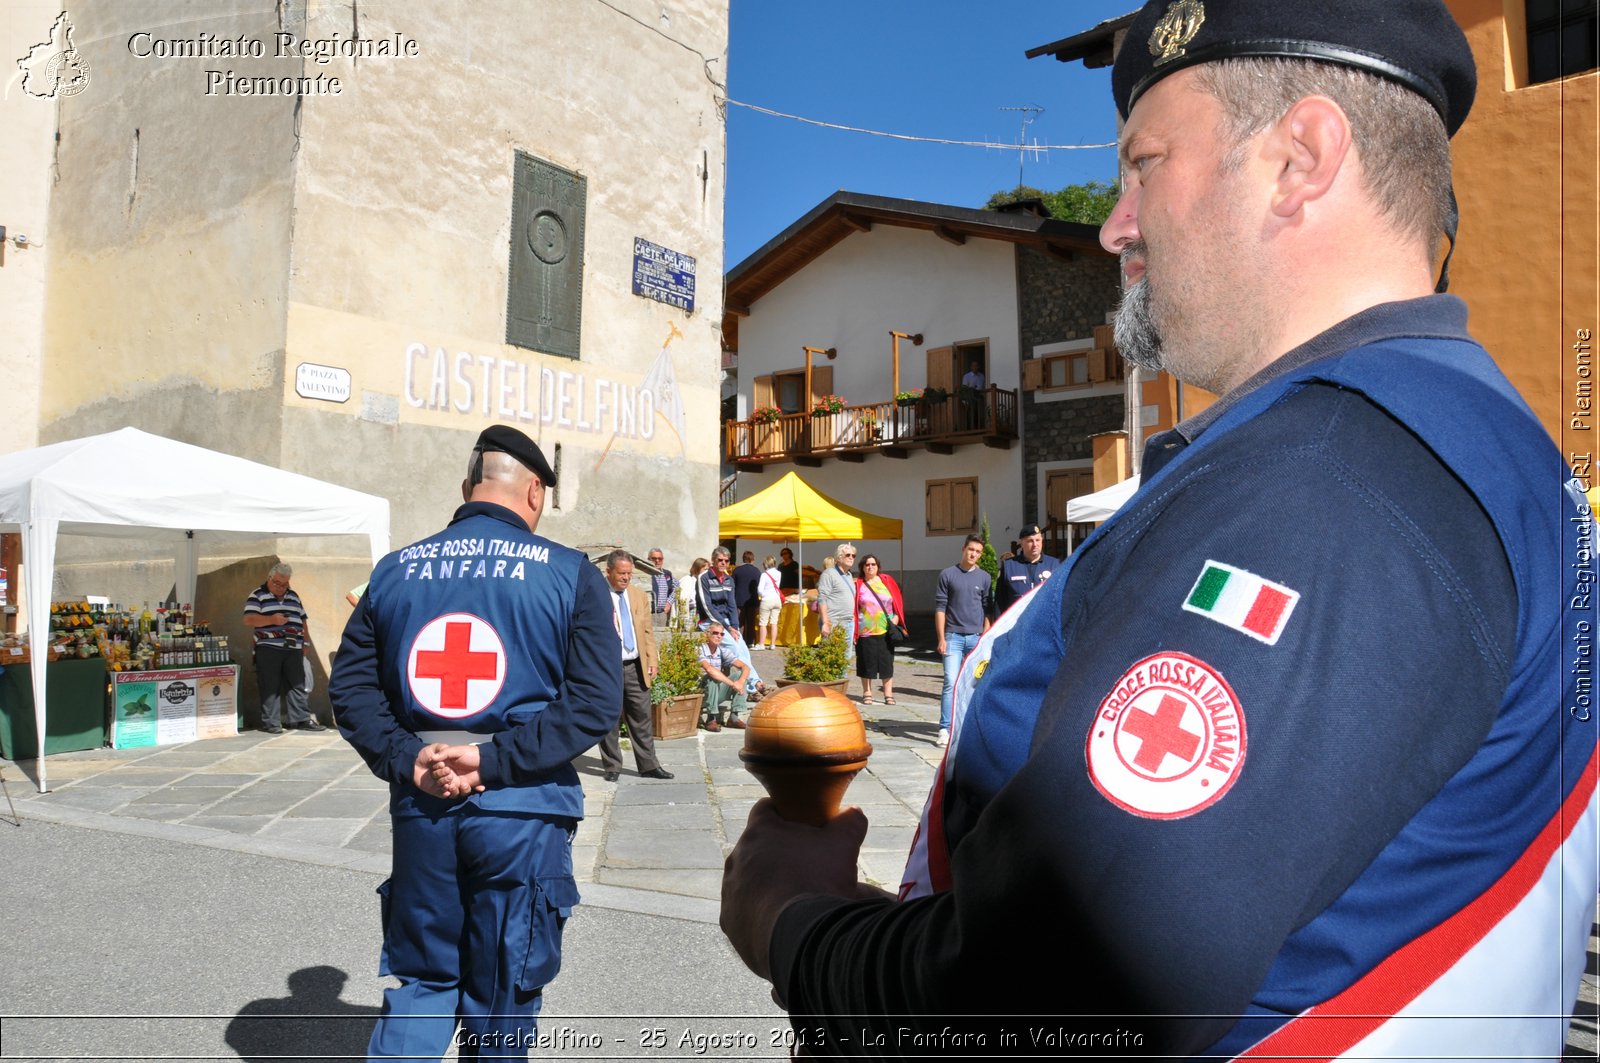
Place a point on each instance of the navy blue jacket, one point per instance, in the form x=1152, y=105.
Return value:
x=1018, y=577
x=489, y=629
x=1406, y=738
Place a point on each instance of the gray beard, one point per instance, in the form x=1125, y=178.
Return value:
x=1138, y=339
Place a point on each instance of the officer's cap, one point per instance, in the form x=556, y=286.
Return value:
x=1414, y=42
x=508, y=440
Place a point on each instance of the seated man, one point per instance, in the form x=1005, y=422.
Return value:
x=724, y=680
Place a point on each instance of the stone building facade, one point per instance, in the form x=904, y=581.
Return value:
x=1059, y=303
x=341, y=238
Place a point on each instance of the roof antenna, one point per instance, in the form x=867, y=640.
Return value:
x=1030, y=111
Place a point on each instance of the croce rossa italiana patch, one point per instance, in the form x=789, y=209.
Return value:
x=1168, y=740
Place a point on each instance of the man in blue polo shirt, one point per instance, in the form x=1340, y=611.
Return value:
x=960, y=616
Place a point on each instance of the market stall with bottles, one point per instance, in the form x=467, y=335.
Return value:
x=131, y=484
x=170, y=679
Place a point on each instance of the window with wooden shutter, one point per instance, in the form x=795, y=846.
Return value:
x=941, y=369
x=1074, y=369
x=821, y=382
x=952, y=506
x=789, y=391
x=1033, y=374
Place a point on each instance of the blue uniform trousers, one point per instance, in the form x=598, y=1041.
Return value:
x=473, y=914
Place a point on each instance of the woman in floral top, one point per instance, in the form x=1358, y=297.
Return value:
x=877, y=602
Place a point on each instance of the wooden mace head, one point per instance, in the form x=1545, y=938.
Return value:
x=805, y=743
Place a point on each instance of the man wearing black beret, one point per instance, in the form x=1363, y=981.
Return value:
x=1288, y=759
x=479, y=663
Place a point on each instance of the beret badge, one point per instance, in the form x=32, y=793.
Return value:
x=1176, y=29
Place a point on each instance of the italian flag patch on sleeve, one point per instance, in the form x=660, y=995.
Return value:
x=1242, y=601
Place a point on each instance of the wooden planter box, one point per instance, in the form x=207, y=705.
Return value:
x=841, y=685
x=677, y=717
x=767, y=437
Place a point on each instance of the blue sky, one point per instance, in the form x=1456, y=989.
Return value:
x=932, y=68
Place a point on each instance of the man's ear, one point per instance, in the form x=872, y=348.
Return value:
x=466, y=490
x=1310, y=145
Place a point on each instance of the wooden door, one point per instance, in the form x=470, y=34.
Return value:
x=1061, y=485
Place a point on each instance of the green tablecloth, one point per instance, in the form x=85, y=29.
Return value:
x=77, y=709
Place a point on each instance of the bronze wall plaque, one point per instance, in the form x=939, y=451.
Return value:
x=544, y=300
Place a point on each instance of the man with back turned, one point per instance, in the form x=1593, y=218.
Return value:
x=480, y=662
x=1288, y=749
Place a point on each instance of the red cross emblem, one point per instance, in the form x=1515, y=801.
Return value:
x=1160, y=733
x=456, y=666
x=1168, y=740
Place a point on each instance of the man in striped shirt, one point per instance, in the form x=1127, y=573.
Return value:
x=274, y=611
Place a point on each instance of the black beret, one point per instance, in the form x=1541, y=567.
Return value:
x=508, y=440
x=1414, y=42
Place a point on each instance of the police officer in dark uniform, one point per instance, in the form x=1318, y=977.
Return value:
x=479, y=663
x=1020, y=574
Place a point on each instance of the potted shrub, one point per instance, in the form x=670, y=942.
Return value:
x=676, y=695
x=824, y=663
x=766, y=414
x=933, y=395
x=908, y=398
x=828, y=405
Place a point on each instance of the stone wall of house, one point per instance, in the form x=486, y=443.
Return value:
x=1058, y=301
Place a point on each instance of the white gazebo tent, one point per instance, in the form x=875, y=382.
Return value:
x=130, y=484
x=1086, y=509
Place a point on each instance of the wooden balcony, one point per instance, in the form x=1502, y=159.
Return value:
x=887, y=428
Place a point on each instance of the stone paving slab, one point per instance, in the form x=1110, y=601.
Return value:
x=161, y=813
x=661, y=817
x=660, y=793
x=362, y=805
x=746, y=790
x=95, y=798
x=691, y=883
x=662, y=849
x=333, y=833
x=132, y=776
x=883, y=868
x=232, y=780
x=193, y=756
x=184, y=795
x=313, y=770
x=373, y=838
x=236, y=824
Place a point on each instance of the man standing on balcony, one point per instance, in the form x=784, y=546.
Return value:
x=972, y=401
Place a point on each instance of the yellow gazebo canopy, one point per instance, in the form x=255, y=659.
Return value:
x=792, y=509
